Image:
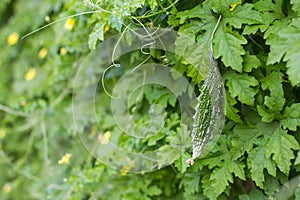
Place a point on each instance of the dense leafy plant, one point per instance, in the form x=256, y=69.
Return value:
x=256, y=46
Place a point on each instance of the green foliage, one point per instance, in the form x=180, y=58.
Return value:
x=256, y=46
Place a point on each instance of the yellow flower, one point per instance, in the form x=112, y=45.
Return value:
x=43, y=53
x=62, y=51
x=65, y=159
x=106, y=29
x=2, y=133
x=125, y=170
x=233, y=6
x=12, y=39
x=104, y=139
x=6, y=188
x=69, y=24
x=23, y=103
x=30, y=74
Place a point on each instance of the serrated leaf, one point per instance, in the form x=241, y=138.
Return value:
x=95, y=35
x=167, y=154
x=275, y=101
x=245, y=136
x=220, y=179
x=200, y=11
x=232, y=112
x=181, y=164
x=270, y=11
x=271, y=183
x=228, y=46
x=286, y=45
x=240, y=86
x=152, y=4
x=296, y=6
x=280, y=146
x=253, y=195
x=250, y=62
x=257, y=162
x=297, y=193
x=237, y=168
x=297, y=161
x=244, y=14
x=291, y=118
x=266, y=116
x=190, y=183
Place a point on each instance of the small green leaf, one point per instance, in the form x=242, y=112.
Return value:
x=253, y=195
x=286, y=45
x=279, y=146
x=220, y=179
x=97, y=34
x=244, y=14
x=239, y=85
x=250, y=62
x=190, y=182
x=275, y=101
x=257, y=162
x=167, y=154
x=228, y=46
x=181, y=164
x=245, y=137
x=291, y=118
x=296, y=6
x=231, y=111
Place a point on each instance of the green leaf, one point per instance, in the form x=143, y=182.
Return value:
x=297, y=161
x=244, y=14
x=153, y=4
x=228, y=46
x=200, y=11
x=237, y=168
x=275, y=101
x=167, y=154
x=271, y=183
x=217, y=182
x=257, y=162
x=291, y=117
x=297, y=193
x=296, y=6
x=181, y=164
x=250, y=62
x=190, y=182
x=224, y=166
x=279, y=146
x=96, y=34
x=285, y=45
x=245, y=137
x=239, y=85
x=270, y=11
x=231, y=111
x=253, y=195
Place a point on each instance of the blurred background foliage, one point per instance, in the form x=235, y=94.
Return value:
x=41, y=156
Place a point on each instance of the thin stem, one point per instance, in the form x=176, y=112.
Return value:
x=24, y=173
x=161, y=11
x=62, y=19
x=60, y=97
x=26, y=126
x=213, y=32
x=14, y=112
x=45, y=140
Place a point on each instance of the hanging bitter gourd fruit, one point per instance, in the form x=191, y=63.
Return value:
x=209, y=116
